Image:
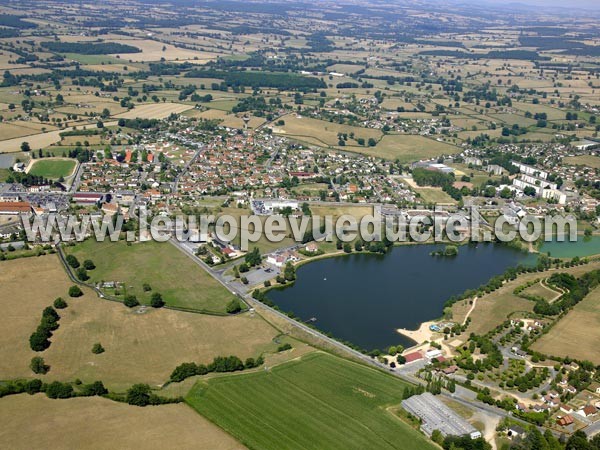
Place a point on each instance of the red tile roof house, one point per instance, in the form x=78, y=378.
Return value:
x=550, y=401
x=15, y=207
x=566, y=408
x=589, y=410
x=565, y=421
x=412, y=357
x=521, y=407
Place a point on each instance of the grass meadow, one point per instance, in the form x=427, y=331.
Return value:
x=168, y=271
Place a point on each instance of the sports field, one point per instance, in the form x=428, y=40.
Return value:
x=318, y=401
x=97, y=423
x=53, y=168
x=167, y=270
x=577, y=334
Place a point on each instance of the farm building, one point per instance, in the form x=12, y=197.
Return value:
x=435, y=415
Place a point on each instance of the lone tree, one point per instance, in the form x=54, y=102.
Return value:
x=233, y=307
x=59, y=303
x=72, y=261
x=25, y=147
x=97, y=348
x=38, y=365
x=82, y=274
x=74, y=291
x=156, y=301
x=88, y=264
x=131, y=301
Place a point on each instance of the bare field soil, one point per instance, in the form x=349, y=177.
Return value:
x=97, y=423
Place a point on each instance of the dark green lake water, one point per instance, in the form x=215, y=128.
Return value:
x=364, y=298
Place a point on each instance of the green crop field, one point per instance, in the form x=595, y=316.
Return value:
x=319, y=401
x=53, y=168
x=167, y=270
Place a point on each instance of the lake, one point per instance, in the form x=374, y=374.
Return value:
x=584, y=246
x=364, y=298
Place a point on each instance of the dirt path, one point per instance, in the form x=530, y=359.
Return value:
x=470, y=310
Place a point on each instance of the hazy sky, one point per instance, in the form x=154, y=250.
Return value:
x=588, y=4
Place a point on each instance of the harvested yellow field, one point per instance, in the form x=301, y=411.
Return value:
x=407, y=148
x=584, y=160
x=323, y=133
x=140, y=347
x=39, y=140
x=577, y=334
x=19, y=129
x=98, y=423
x=154, y=111
x=229, y=119
x=154, y=51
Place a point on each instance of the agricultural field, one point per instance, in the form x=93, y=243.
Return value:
x=318, y=401
x=154, y=111
x=39, y=140
x=53, y=168
x=95, y=423
x=323, y=133
x=154, y=50
x=584, y=160
x=407, y=148
x=140, y=346
x=161, y=265
x=577, y=334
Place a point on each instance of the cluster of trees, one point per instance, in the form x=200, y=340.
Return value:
x=253, y=258
x=576, y=290
x=424, y=177
x=220, y=364
x=526, y=55
x=276, y=80
x=80, y=270
x=493, y=356
x=465, y=443
x=289, y=274
x=89, y=48
x=27, y=179
x=138, y=124
x=142, y=395
x=8, y=20
x=39, y=339
x=251, y=104
x=535, y=440
x=54, y=390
